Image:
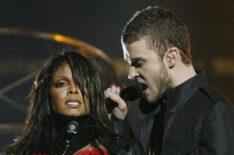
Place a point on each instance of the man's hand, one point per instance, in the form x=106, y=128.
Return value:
x=113, y=93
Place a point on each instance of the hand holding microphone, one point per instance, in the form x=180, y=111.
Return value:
x=116, y=99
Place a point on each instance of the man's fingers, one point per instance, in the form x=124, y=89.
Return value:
x=106, y=93
x=114, y=89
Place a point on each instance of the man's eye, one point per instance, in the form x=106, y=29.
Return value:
x=137, y=64
x=60, y=84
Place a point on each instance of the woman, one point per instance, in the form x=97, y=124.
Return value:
x=67, y=113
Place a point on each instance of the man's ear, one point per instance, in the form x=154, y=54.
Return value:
x=171, y=56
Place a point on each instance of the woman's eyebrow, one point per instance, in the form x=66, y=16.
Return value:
x=61, y=77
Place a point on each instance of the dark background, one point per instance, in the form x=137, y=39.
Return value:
x=99, y=23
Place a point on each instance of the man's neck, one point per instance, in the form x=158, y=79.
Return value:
x=182, y=74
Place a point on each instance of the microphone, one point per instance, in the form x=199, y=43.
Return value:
x=130, y=93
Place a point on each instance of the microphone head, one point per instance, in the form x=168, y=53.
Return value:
x=131, y=93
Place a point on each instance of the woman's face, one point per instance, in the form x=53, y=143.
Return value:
x=66, y=95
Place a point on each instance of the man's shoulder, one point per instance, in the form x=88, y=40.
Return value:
x=209, y=97
x=213, y=94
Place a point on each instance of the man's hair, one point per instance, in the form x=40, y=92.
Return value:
x=161, y=28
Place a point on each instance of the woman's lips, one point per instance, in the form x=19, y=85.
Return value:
x=74, y=104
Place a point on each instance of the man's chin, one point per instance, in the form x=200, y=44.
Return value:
x=152, y=99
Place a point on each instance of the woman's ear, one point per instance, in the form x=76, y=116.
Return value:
x=171, y=56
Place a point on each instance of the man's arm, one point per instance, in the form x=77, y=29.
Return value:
x=217, y=136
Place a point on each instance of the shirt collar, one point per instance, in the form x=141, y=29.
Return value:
x=176, y=97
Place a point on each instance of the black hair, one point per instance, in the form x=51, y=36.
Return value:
x=37, y=135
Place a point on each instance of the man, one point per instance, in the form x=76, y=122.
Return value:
x=181, y=113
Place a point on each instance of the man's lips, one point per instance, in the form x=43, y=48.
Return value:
x=144, y=88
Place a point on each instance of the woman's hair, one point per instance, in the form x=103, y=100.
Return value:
x=37, y=135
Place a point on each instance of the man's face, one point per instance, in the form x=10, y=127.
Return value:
x=147, y=69
x=66, y=95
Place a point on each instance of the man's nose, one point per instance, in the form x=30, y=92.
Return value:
x=132, y=73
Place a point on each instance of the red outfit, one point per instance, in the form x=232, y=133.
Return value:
x=91, y=152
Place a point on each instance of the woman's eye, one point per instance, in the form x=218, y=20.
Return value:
x=60, y=84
